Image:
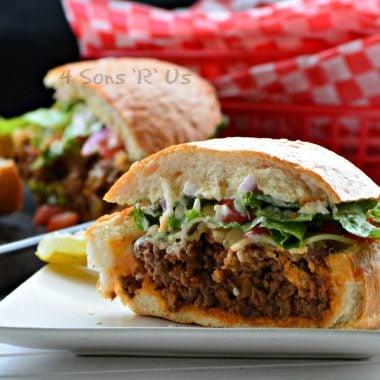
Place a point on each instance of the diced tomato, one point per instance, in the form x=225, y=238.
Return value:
x=257, y=231
x=44, y=213
x=335, y=228
x=62, y=220
x=260, y=230
x=370, y=221
x=100, y=143
x=232, y=215
x=359, y=239
x=107, y=152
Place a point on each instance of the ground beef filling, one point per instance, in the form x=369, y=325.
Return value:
x=248, y=283
x=81, y=181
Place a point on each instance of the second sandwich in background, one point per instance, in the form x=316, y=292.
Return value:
x=109, y=113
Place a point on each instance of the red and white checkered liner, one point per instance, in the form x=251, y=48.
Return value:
x=316, y=51
x=346, y=75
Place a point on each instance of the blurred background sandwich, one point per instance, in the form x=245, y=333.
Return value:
x=108, y=113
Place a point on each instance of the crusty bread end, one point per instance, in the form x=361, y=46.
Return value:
x=11, y=187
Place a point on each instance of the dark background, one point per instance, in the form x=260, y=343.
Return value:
x=34, y=37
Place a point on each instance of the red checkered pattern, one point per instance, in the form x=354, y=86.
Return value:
x=346, y=75
x=302, y=51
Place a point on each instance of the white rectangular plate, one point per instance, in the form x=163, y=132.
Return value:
x=59, y=308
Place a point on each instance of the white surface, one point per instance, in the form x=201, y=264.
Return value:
x=25, y=363
x=58, y=308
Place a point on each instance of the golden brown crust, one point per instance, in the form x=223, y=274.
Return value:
x=355, y=282
x=318, y=171
x=11, y=187
x=366, y=271
x=178, y=106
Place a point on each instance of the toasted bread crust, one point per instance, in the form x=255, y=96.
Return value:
x=220, y=165
x=11, y=187
x=152, y=104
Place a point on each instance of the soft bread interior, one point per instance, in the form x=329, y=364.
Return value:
x=288, y=170
x=110, y=248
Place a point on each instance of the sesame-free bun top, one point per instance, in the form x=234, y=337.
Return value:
x=151, y=104
x=292, y=171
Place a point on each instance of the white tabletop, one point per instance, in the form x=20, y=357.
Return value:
x=17, y=362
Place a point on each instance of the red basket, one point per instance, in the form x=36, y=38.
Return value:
x=210, y=63
x=351, y=132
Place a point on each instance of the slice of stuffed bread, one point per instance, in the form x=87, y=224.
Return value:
x=244, y=232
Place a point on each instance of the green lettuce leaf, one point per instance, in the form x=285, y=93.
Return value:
x=245, y=227
x=50, y=118
x=287, y=234
x=192, y=214
x=353, y=217
x=8, y=126
x=284, y=215
x=82, y=124
x=259, y=200
x=374, y=214
x=174, y=223
x=47, y=118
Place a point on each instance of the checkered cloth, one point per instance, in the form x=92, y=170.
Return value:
x=301, y=51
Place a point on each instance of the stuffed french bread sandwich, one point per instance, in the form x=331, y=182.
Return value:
x=244, y=232
x=108, y=114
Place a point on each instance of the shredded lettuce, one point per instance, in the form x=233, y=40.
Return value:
x=140, y=219
x=257, y=200
x=192, y=214
x=82, y=124
x=174, y=223
x=284, y=215
x=285, y=224
x=8, y=126
x=50, y=118
x=245, y=227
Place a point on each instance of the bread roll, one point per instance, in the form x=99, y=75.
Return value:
x=150, y=103
x=11, y=187
x=217, y=273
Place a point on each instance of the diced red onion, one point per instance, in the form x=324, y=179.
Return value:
x=248, y=184
x=91, y=144
x=163, y=204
